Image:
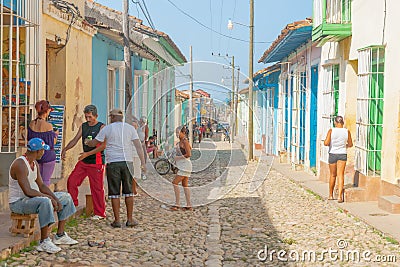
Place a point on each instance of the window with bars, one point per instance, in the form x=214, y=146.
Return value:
x=298, y=117
x=371, y=67
x=330, y=102
x=19, y=49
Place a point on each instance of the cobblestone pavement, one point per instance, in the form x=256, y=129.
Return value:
x=235, y=230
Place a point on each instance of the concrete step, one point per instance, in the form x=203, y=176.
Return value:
x=390, y=203
x=354, y=194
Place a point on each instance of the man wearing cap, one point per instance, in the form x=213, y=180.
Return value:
x=121, y=139
x=90, y=164
x=28, y=194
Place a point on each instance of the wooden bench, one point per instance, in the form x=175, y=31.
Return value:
x=22, y=224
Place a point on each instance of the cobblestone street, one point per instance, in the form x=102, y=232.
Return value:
x=235, y=228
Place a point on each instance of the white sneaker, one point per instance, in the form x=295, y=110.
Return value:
x=97, y=218
x=64, y=240
x=48, y=246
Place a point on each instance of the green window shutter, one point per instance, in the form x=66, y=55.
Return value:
x=375, y=110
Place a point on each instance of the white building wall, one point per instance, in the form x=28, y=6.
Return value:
x=367, y=23
x=391, y=110
x=371, y=30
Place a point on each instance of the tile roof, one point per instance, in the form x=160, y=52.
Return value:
x=140, y=27
x=284, y=33
x=181, y=94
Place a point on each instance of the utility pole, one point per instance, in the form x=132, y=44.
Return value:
x=233, y=101
x=250, y=124
x=237, y=100
x=191, y=99
x=127, y=60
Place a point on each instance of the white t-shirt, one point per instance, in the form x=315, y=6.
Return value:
x=119, y=138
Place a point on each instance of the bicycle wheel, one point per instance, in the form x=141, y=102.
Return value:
x=162, y=166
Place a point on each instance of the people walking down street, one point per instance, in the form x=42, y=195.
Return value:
x=29, y=195
x=90, y=163
x=121, y=139
x=41, y=128
x=338, y=139
x=143, y=133
x=182, y=159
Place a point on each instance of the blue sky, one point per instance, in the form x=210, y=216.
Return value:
x=270, y=18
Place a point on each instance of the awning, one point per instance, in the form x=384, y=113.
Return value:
x=158, y=49
x=116, y=36
x=292, y=36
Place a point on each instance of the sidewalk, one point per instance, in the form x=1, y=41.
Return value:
x=13, y=244
x=367, y=212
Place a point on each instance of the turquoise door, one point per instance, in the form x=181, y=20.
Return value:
x=313, y=115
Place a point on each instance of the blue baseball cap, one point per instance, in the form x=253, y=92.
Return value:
x=36, y=144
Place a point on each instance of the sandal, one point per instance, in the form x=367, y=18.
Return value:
x=115, y=224
x=131, y=224
x=99, y=244
x=174, y=208
x=187, y=208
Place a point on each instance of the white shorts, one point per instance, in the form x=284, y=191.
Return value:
x=184, y=167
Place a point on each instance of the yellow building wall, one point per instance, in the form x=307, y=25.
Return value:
x=71, y=82
x=351, y=86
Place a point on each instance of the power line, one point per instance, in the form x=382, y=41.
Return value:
x=137, y=9
x=148, y=13
x=230, y=33
x=205, y=26
x=144, y=13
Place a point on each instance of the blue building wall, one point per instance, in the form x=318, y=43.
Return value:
x=104, y=49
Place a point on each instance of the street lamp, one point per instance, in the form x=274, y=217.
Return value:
x=251, y=49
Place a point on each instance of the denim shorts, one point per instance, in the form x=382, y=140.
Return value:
x=119, y=173
x=334, y=158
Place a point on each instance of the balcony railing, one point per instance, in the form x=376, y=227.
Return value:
x=332, y=12
x=332, y=20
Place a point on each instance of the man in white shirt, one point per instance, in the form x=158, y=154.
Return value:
x=121, y=142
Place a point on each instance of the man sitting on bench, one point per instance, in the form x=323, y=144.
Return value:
x=28, y=194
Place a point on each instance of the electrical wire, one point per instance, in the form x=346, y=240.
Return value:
x=144, y=13
x=148, y=13
x=205, y=26
x=137, y=9
x=230, y=33
x=70, y=9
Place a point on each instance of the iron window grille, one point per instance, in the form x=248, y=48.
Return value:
x=369, y=120
x=19, y=47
